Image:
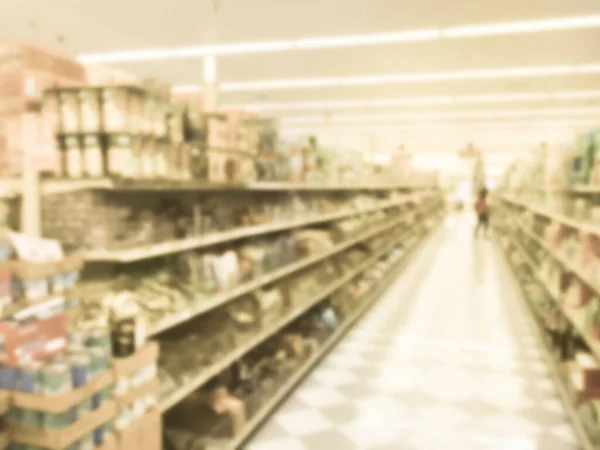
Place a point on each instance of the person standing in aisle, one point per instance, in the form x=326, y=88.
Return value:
x=483, y=213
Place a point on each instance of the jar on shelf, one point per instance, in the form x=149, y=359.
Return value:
x=115, y=112
x=148, y=157
x=161, y=159
x=89, y=100
x=72, y=156
x=70, y=117
x=120, y=152
x=136, y=111
x=94, y=161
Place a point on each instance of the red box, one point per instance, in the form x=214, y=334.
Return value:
x=26, y=70
x=38, y=339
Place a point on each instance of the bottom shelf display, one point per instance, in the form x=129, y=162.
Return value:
x=565, y=351
x=227, y=410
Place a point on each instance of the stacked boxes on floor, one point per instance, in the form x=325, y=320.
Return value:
x=60, y=387
x=138, y=423
x=55, y=379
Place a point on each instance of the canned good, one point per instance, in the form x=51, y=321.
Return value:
x=80, y=369
x=56, y=378
x=14, y=416
x=8, y=378
x=99, y=435
x=30, y=418
x=98, y=337
x=102, y=397
x=85, y=407
x=29, y=377
x=59, y=421
x=99, y=360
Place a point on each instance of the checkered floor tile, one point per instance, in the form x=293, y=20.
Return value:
x=446, y=359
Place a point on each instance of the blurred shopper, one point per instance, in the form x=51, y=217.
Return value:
x=483, y=213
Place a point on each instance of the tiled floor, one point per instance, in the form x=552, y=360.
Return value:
x=446, y=359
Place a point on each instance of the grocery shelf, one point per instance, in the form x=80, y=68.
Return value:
x=580, y=189
x=218, y=367
x=593, y=344
x=556, y=372
x=12, y=187
x=265, y=412
x=225, y=297
x=181, y=245
x=573, y=223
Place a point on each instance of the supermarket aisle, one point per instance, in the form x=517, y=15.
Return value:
x=447, y=359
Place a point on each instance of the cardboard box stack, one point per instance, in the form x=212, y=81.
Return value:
x=25, y=71
x=55, y=380
x=222, y=149
x=138, y=423
x=72, y=376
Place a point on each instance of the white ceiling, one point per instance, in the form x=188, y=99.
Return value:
x=87, y=27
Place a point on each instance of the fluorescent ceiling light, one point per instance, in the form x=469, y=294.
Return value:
x=576, y=95
x=414, y=101
x=532, y=26
x=403, y=78
x=450, y=125
x=393, y=102
x=357, y=118
x=368, y=39
x=431, y=34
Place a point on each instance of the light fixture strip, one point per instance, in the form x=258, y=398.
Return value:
x=380, y=79
x=448, y=125
x=409, y=101
x=324, y=42
x=357, y=118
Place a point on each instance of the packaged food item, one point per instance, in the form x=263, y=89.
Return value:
x=69, y=110
x=89, y=100
x=115, y=109
x=93, y=156
x=56, y=378
x=73, y=162
x=121, y=160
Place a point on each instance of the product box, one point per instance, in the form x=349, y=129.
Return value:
x=589, y=371
x=144, y=433
x=26, y=70
x=26, y=138
x=35, y=339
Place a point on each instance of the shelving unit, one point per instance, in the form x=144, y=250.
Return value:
x=282, y=393
x=166, y=248
x=558, y=375
x=409, y=239
x=207, y=374
x=403, y=214
x=517, y=241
